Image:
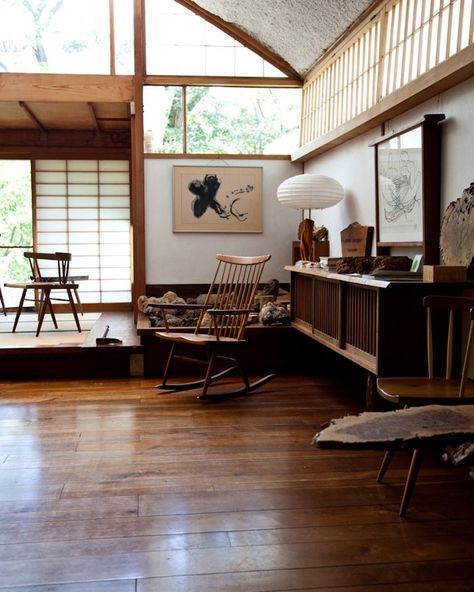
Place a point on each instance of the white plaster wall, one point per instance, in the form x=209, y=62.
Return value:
x=189, y=258
x=353, y=162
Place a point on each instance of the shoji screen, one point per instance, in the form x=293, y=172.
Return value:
x=83, y=207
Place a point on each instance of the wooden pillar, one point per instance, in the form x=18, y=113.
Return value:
x=137, y=159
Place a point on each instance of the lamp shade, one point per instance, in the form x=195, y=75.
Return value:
x=310, y=192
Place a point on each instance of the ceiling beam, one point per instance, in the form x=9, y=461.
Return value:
x=93, y=116
x=63, y=139
x=243, y=81
x=65, y=87
x=31, y=115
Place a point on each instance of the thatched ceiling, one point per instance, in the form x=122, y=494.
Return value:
x=299, y=31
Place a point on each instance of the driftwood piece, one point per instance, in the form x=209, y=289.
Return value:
x=457, y=230
x=405, y=427
x=305, y=234
x=371, y=264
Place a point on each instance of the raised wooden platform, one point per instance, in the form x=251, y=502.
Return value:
x=276, y=348
x=82, y=360
x=269, y=348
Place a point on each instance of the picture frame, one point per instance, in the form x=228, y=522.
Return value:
x=407, y=185
x=217, y=199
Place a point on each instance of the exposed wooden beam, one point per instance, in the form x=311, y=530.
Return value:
x=242, y=37
x=456, y=69
x=65, y=87
x=93, y=116
x=19, y=138
x=31, y=116
x=243, y=81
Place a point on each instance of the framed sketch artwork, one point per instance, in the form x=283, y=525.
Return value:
x=400, y=188
x=407, y=164
x=217, y=199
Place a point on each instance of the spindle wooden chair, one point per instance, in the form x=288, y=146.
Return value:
x=221, y=326
x=43, y=283
x=449, y=389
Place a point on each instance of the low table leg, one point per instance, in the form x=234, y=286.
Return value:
x=370, y=392
x=415, y=465
x=387, y=459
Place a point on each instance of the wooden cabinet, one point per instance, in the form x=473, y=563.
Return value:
x=379, y=325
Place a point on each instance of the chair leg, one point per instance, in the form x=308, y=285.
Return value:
x=243, y=372
x=73, y=308
x=45, y=303
x=208, y=377
x=387, y=459
x=3, y=303
x=167, y=367
x=415, y=465
x=79, y=303
x=18, y=310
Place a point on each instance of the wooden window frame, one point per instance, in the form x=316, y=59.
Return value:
x=397, y=87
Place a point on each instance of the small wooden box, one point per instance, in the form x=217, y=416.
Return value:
x=444, y=273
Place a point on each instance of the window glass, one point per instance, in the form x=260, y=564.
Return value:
x=63, y=36
x=163, y=119
x=16, y=224
x=123, y=28
x=179, y=42
x=223, y=120
x=242, y=120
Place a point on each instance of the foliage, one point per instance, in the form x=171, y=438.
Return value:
x=15, y=217
x=230, y=121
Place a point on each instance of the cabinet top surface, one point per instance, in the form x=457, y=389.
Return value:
x=361, y=280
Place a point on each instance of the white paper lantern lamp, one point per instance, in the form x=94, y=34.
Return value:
x=309, y=192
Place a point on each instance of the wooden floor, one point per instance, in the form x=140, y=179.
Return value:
x=113, y=487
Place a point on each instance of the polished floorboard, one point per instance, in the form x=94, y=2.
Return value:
x=112, y=486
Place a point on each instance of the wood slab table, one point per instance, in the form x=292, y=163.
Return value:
x=414, y=428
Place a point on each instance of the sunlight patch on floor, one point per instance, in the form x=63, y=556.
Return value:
x=65, y=334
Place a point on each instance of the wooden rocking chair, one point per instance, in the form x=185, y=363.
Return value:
x=221, y=325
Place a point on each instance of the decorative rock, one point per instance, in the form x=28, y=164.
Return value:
x=272, y=288
x=273, y=313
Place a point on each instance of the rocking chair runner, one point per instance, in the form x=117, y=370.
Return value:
x=221, y=325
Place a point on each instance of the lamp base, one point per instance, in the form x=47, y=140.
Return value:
x=319, y=249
